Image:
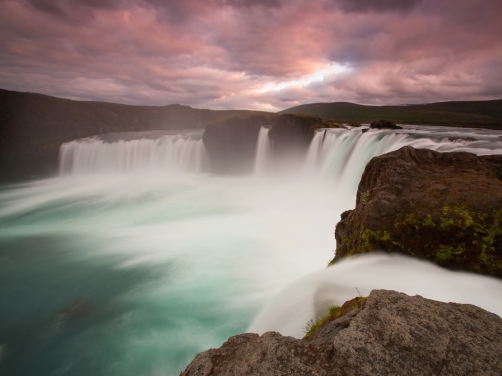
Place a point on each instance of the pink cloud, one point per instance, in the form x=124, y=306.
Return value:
x=221, y=53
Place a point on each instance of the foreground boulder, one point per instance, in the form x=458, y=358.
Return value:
x=231, y=143
x=388, y=334
x=444, y=207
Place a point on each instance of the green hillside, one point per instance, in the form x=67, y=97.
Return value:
x=486, y=114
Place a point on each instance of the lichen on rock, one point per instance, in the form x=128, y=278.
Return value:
x=444, y=207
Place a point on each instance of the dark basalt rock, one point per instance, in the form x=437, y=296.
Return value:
x=444, y=207
x=384, y=124
x=292, y=133
x=390, y=334
x=231, y=143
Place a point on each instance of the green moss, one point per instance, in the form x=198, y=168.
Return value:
x=334, y=312
x=446, y=253
x=488, y=241
x=446, y=223
x=428, y=221
x=369, y=237
x=455, y=236
x=408, y=219
x=364, y=197
x=467, y=237
x=461, y=216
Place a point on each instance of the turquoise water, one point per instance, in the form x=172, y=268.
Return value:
x=134, y=274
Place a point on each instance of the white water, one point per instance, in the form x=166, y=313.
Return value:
x=264, y=152
x=173, y=263
x=310, y=297
x=342, y=154
x=163, y=152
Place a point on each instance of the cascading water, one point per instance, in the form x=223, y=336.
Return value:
x=264, y=153
x=154, y=151
x=342, y=154
x=310, y=297
x=109, y=270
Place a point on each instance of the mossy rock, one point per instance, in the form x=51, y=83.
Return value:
x=334, y=313
x=443, y=207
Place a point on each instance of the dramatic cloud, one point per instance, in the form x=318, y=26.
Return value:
x=377, y=6
x=261, y=54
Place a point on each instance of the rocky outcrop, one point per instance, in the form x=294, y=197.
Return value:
x=291, y=134
x=444, y=207
x=389, y=334
x=231, y=143
x=384, y=124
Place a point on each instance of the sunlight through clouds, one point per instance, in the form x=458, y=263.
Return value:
x=319, y=76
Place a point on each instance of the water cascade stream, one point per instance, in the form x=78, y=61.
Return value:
x=264, y=152
x=149, y=151
x=136, y=257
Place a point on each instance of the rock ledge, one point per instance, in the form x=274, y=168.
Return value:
x=391, y=334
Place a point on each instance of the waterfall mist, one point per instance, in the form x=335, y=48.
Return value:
x=310, y=297
x=137, y=257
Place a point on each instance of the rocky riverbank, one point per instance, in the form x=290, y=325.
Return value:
x=390, y=333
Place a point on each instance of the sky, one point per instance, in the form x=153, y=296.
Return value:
x=262, y=55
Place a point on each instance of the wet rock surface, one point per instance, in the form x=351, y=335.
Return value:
x=444, y=207
x=231, y=143
x=292, y=133
x=391, y=334
x=384, y=124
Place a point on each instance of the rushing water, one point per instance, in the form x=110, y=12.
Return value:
x=137, y=257
x=135, y=152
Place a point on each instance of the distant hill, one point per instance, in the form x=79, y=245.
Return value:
x=33, y=126
x=486, y=114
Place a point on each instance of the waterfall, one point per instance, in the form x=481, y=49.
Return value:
x=339, y=154
x=342, y=154
x=151, y=152
x=311, y=296
x=125, y=265
x=263, y=152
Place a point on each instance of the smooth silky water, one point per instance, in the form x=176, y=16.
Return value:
x=136, y=257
